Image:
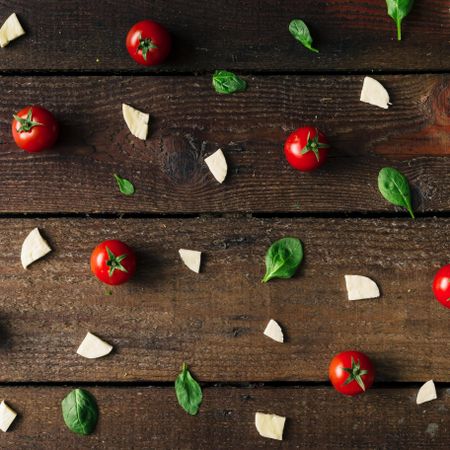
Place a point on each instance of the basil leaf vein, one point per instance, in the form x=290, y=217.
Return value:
x=125, y=186
x=225, y=82
x=394, y=187
x=398, y=10
x=300, y=31
x=283, y=258
x=80, y=412
x=188, y=391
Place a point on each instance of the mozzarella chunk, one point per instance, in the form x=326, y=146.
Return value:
x=137, y=121
x=426, y=393
x=192, y=259
x=273, y=330
x=270, y=425
x=7, y=416
x=93, y=347
x=217, y=165
x=10, y=30
x=360, y=287
x=34, y=247
x=373, y=92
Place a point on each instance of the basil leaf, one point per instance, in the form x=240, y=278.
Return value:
x=80, y=411
x=283, y=258
x=300, y=31
x=225, y=82
x=398, y=10
x=394, y=187
x=189, y=392
x=125, y=186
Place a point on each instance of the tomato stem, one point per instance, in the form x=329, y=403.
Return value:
x=26, y=124
x=313, y=145
x=115, y=262
x=355, y=374
x=145, y=45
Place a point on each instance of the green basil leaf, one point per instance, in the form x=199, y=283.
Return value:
x=80, y=411
x=225, y=82
x=300, y=31
x=283, y=258
x=398, y=10
x=189, y=392
x=125, y=186
x=394, y=187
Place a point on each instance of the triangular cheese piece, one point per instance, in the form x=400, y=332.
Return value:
x=374, y=93
x=217, y=165
x=10, y=30
x=273, y=330
x=426, y=393
x=360, y=287
x=192, y=259
x=93, y=347
x=7, y=416
x=34, y=247
x=136, y=120
x=270, y=425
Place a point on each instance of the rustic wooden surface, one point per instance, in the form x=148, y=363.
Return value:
x=215, y=320
x=74, y=62
x=189, y=121
x=317, y=418
x=247, y=35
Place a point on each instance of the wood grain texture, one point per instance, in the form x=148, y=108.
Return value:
x=189, y=121
x=233, y=34
x=317, y=418
x=215, y=320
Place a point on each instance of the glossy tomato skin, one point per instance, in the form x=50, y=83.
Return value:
x=441, y=285
x=338, y=376
x=297, y=141
x=39, y=137
x=151, y=36
x=100, y=258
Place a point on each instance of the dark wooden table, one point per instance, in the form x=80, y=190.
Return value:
x=73, y=61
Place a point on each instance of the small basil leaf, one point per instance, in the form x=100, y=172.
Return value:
x=300, y=31
x=80, y=411
x=398, y=10
x=394, y=187
x=225, y=82
x=189, y=392
x=125, y=186
x=283, y=258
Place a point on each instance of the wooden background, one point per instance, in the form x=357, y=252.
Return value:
x=73, y=61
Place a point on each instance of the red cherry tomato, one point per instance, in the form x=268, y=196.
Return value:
x=306, y=149
x=441, y=285
x=34, y=129
x=113, y=262
x=148, y=43
x=351, y=372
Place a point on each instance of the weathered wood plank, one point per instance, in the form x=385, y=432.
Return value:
x=215, y=320
x=189, y=121
x=318, y=418
x=351, y=35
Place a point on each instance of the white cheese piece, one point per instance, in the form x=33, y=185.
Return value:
x=217, y=165
x=7, y=416
x=360, y=287
x=137, y=121
x=34, y=247
x=10, y=30
x=93, y=347
x=426, y=393
x=192, y=259
x=373, y=92
x=273, y=330
x=270, y=425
